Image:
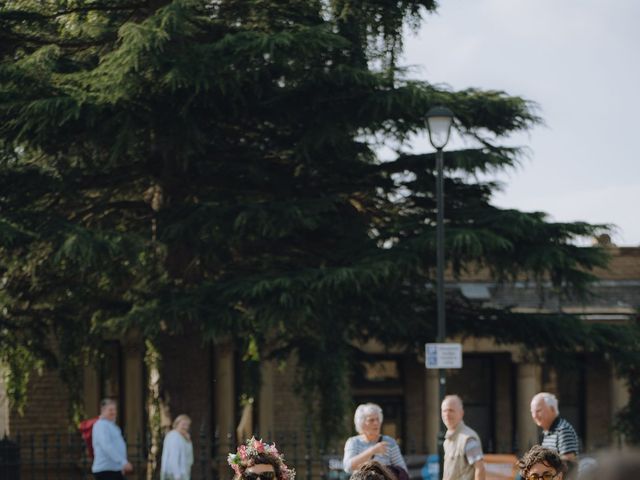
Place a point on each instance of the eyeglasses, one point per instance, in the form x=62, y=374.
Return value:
x=266, y=476
x=544, y=476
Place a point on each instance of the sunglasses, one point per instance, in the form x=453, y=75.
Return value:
x=263, y=476
x=544, y=476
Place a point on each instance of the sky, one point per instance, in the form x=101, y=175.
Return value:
x=579, y=60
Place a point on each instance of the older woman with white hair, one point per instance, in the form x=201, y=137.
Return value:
x=370, y=444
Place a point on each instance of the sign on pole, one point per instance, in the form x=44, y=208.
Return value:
x=443, y=355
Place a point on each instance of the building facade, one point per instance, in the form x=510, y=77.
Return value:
x=496, y=382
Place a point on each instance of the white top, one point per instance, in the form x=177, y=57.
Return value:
x=177, y=457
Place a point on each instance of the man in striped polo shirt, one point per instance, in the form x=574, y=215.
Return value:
x=557, y=434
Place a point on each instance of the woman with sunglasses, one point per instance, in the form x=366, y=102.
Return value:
x=540, y=463
x=257, y=460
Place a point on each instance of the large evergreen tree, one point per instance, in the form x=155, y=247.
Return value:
x=213, y=164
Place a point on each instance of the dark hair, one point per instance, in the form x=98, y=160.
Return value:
x=264, y=459
x=539, y=454
x=373, y=470
x=107, y=401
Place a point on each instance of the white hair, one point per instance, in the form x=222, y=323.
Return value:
x=549, y=398
x=363, y=411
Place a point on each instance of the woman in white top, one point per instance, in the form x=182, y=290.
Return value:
x=177, y=451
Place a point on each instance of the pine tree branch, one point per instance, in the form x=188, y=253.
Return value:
x=96, y=8
x=103, y=208
x=70, y=44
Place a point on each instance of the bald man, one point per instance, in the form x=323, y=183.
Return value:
x=463, y=459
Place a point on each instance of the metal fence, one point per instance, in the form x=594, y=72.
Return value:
x=54, y=456
x=62, y=456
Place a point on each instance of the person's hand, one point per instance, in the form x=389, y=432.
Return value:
x=380, y=448
x=128, y=468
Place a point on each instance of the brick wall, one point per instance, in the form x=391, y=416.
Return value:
x=289, y=410
x=45, y=429
x=47, y=408
x=624, y=264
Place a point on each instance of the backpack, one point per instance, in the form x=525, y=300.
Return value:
x=86, y=430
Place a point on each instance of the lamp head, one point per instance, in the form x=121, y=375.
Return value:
x=439, y=121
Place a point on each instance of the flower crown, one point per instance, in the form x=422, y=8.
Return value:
x=247, y=454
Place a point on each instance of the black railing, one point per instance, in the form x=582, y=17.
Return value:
x=64, y=456
x=56, y=456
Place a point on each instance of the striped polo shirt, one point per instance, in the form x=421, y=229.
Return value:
x=561, y=437
x=356, y=445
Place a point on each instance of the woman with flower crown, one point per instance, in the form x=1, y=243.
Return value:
x=257, y=460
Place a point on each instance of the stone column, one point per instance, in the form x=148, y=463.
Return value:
x=4, y=406
x=619, y=399
x=431, y=410
x=266, y=401
x=91, y=391
x=528, y=384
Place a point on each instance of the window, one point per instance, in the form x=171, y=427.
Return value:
x=475, y=385
x=571, y=393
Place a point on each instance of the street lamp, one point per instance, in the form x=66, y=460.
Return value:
x=439, y=120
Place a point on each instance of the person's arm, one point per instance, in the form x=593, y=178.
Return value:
x=189, y=456
x=183, y=460
x=396, y=456
x=353, y=460
x=479, y=470
x=568, y=445
x=473, y=454
x=570, y=460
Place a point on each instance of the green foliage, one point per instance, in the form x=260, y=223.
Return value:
x=623, y=349
x=213, y=165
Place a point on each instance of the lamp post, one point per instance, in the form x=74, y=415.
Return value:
x=439, y=120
